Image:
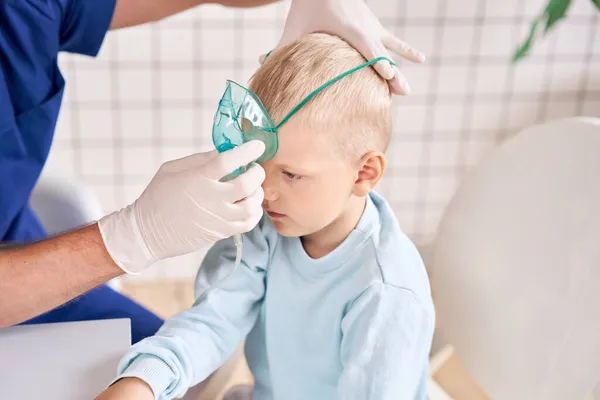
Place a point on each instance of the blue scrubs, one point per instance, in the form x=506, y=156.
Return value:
x=32, y=32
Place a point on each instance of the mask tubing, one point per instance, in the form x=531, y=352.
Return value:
x=237, y=239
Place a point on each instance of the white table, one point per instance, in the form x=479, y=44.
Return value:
x=61, y=361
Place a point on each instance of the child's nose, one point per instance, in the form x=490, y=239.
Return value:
x=270, y=189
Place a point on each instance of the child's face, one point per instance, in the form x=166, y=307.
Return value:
x=307, y=185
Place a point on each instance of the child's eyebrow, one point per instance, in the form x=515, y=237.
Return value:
x=299, y=171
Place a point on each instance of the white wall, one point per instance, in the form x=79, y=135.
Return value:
x=151, y=94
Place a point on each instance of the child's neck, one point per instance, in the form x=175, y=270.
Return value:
x=323, y=242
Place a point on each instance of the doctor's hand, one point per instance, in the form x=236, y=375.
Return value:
x=187, y=208
x=353, y=21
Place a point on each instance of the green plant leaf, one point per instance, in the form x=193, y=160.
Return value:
x=597, y=4
x=524, y=49
x=555, y=11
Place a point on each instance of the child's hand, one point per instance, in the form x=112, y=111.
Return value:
x=127, y=389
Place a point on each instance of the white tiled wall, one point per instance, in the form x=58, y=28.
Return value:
x=151, y=94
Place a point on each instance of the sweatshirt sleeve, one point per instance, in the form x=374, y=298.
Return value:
x=194, y=343
x=385, y=347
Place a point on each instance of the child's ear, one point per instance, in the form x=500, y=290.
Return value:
x=370, y=171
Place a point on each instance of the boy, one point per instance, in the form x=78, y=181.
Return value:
x=332, y=296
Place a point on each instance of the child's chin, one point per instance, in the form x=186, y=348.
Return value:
x=284, y=229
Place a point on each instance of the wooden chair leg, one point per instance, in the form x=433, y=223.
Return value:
x=449, y=374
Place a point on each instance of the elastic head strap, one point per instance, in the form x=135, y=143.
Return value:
x=327, y=84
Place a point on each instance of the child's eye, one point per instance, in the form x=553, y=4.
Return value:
x=291, y=176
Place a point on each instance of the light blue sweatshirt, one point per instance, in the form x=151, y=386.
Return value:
x=355, y=324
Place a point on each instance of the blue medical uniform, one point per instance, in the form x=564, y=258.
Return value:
x=32, y=32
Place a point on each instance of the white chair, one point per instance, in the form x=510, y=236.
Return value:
x=63, y=204
x=515, y=267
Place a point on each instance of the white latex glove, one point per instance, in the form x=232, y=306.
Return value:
x=186, y=208
x=353, y=21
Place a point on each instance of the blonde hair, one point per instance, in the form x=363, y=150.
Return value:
x=356, y=108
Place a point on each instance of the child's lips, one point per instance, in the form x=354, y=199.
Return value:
x=273, y=214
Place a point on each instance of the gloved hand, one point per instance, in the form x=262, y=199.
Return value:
x=353, y=21
x=186, y=208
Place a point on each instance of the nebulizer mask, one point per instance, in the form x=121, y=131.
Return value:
x=242, y=117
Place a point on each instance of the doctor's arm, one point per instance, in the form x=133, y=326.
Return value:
x=386, y=339
x=135, y=12
x=185, y=208
x=352, y=20
x=40, y=276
